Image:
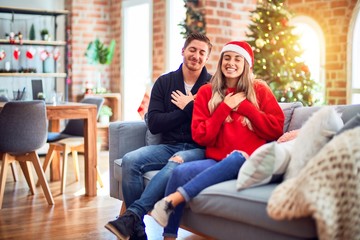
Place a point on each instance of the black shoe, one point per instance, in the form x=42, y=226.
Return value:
x=139, y=231
x=124, y=226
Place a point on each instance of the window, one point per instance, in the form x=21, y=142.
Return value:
x=354, y=57
x=136, y=52
x=176, y=13
x=313, y=44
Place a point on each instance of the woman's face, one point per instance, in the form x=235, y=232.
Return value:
x=232, y=65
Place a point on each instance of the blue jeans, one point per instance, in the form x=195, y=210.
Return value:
x=191, y=178
x=154, y=157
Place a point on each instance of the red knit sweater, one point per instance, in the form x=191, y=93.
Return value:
x=221, y=138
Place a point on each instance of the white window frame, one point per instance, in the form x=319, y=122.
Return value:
x=353, y=55
x=138, y=70
x=322, y=51
x=175, y=13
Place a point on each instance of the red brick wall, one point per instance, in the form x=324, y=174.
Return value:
x=115, y=70
x=159, y=43
x=90, y=19
x=226, y=20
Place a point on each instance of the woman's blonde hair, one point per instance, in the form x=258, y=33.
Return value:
x=245, y=84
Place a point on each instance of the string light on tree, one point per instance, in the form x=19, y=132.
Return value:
x=279, y=54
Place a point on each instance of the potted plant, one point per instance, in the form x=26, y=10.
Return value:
x=44, y=34
x=105, y=114
x=97, y=53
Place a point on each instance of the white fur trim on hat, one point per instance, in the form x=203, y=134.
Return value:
x=239, y=50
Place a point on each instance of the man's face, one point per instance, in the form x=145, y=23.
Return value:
x=195, y=55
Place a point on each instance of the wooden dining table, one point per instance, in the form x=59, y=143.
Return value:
x=74, y=110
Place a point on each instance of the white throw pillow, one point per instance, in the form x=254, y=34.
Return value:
x=266, y=164
x=313, y=135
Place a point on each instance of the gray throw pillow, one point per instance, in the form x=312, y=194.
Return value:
x=352, y=123
x=288, y=109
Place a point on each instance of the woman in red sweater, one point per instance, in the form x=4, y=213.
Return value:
x=233, y=115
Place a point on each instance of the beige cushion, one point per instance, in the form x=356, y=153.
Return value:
x=267, y=164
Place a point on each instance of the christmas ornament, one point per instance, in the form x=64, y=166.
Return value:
x=256, y=17
x=2, y=54
x=284, y=22
x=305, y=68
x=260, y=43
x=30, y=53
x=16, y=53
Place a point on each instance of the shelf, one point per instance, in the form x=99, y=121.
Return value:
x=41, y=19
x=33, y=11
x=33, y=42
x=44, y=75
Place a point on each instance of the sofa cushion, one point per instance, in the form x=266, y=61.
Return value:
x=300, y=115
x=288, y=109
x=352, y=123
x=316, y=132
x=248, y=206
x=348, y=111
x=267, y=164
x=152, y=139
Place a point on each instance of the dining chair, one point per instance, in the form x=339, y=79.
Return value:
x=23, y=129
x=3, y=98
x=70, y=140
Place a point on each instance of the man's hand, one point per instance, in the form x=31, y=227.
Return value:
x=233, y=100
x=180, y=99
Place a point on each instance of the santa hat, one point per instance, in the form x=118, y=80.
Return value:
x=242, y=48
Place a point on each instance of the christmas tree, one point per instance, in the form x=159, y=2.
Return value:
x=278, y=53
x=194, y=20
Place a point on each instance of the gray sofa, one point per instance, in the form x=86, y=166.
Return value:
x=220, y=211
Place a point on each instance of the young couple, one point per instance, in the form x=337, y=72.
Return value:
x=205, y=141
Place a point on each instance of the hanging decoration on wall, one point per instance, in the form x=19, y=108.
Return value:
x=16, y=53
x=2, y=54
x=56, y=54
x=44, y=54
x=30, y=53
x=194, y=20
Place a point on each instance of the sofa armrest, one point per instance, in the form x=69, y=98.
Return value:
x=124, y=136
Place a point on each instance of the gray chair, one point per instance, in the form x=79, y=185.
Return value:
x=70, y=140
x=23, y=130
x=12, y=165
x=3, y=98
